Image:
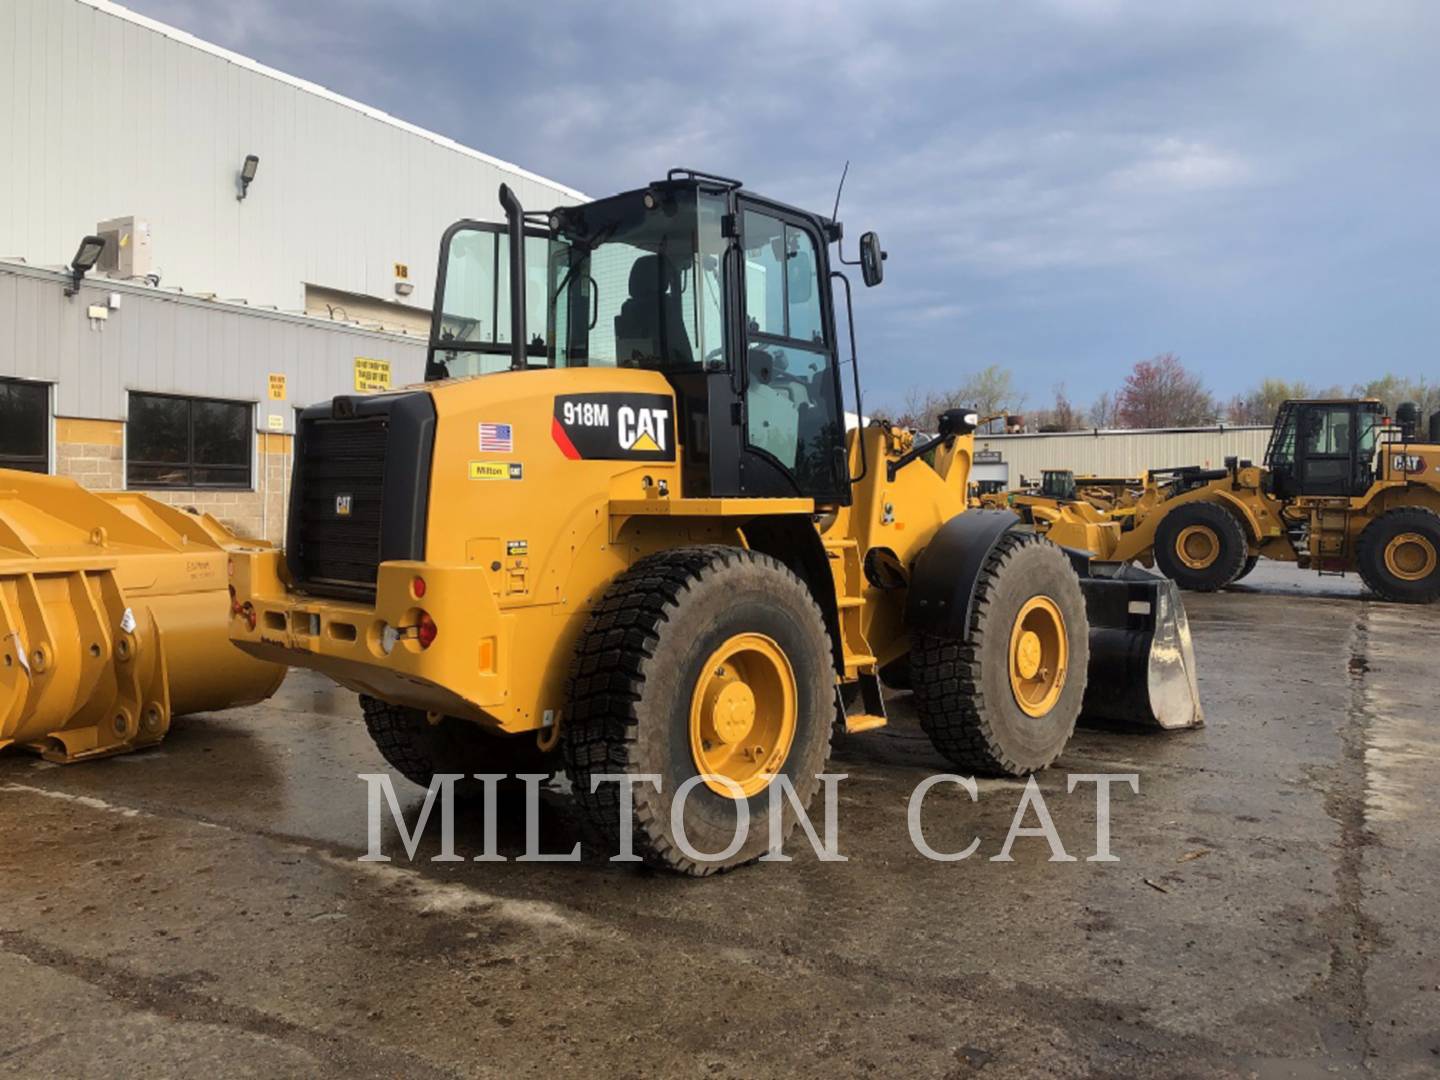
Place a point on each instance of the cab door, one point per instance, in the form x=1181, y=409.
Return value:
x=794, y=423
x=1329, y=455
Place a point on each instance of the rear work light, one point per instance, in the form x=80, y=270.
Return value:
x=425, y=630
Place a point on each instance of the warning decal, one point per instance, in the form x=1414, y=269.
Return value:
x=615, y=427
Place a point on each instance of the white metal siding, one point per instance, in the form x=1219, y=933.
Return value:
x=104, y=113
x=1124, y=453
x=166, y=343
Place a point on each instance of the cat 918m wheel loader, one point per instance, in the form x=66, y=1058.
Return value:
x=623, y=527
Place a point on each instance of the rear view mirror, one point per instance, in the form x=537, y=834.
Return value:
x=872, y=259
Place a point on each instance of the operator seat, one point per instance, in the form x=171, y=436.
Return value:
x=650, y=328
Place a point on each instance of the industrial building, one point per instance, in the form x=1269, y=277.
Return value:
x=1011, y=460
x=269, y=244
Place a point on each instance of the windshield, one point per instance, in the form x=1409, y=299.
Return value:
x=471, y=333
x=635, y=286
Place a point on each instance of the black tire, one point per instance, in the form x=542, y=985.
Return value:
x=1226, y=533
x=962, y=686
x=1250, y=563
x=417, y=749
x=635, y=672
x=1379, y=534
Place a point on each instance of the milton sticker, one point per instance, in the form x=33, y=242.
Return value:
x=615, y=427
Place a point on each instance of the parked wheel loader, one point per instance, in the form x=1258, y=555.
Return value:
x=114, y=618
x=622, y=529
x=1344, y=488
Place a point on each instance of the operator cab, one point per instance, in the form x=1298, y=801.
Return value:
x=723, y=292
x=1324, y=448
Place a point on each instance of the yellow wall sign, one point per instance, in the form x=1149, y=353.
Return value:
x=275, y=422
x=371, y=374
x=402, y=271
x=277, y=387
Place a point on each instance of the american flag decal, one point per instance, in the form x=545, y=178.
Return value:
x=496, y=439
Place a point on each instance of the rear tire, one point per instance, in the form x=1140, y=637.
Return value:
x=1201, y=546
x=1398, y=555
x=966, y=690
x=652, y=653
x=1250, y=563
x=417, y=749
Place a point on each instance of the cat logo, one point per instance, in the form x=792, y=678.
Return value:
x=642, y=429
x=615, y=427
x=342, y=505
x=1408, y=463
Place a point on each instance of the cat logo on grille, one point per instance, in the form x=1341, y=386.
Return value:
x=342, y=505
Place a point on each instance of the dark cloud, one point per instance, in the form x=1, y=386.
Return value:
x=1064, y=186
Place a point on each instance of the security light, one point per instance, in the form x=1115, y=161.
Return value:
x=86, y=256
x=247, y=174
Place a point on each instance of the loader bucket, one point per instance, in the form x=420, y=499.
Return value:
x=114, y=617
x=1142, y=664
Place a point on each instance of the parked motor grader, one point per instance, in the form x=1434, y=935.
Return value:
x=642, y=541
x=1344, y=488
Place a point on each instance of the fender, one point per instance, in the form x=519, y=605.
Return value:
x=1255, y=532
x=943, y=577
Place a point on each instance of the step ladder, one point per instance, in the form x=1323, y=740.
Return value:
x=861, y=665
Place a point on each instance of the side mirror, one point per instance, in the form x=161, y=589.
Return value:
x=872, y=259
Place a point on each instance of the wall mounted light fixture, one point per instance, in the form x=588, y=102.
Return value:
x=86, y=256
x=247, y=174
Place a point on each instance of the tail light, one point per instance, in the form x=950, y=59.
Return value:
x=417, y=588
x=425, y=630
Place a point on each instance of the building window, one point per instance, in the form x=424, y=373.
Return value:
x=24, y=425
x=188, y=442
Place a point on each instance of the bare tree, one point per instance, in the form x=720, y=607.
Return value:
x=1391, y=390
x=1103, y=412
x=989, y=392
x=1160, y=392
x=1062, y=416
x=1260, y=404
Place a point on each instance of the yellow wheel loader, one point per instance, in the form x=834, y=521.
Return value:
x=1344, y=488
x=623, y=528
x=114, y=619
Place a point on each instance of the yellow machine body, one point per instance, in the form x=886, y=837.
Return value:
x=513, y=566
x=113, y=619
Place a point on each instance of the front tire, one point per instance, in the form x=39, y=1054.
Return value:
x=1003, y=700
x=700, y=661
x=1398, y=555
x=1201, y=546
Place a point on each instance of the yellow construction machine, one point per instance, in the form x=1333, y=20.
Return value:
x=1344, y=488
x=114, y=618
x=623, y=527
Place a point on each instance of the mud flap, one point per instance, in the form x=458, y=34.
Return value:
x=1142, y=663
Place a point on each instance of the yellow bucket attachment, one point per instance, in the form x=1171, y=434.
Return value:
x=114, y=617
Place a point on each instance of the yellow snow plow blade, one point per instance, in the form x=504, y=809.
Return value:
x=114, y=612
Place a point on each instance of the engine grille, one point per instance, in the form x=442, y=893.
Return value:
x=339, y=502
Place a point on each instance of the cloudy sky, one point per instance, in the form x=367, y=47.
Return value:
x=1064, y=186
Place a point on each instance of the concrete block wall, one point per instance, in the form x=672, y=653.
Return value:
x=92, y=453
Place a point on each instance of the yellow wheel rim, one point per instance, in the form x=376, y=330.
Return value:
x=1197, y=546
x=1039, y=656
x=743, y=715
x=1411, y=557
